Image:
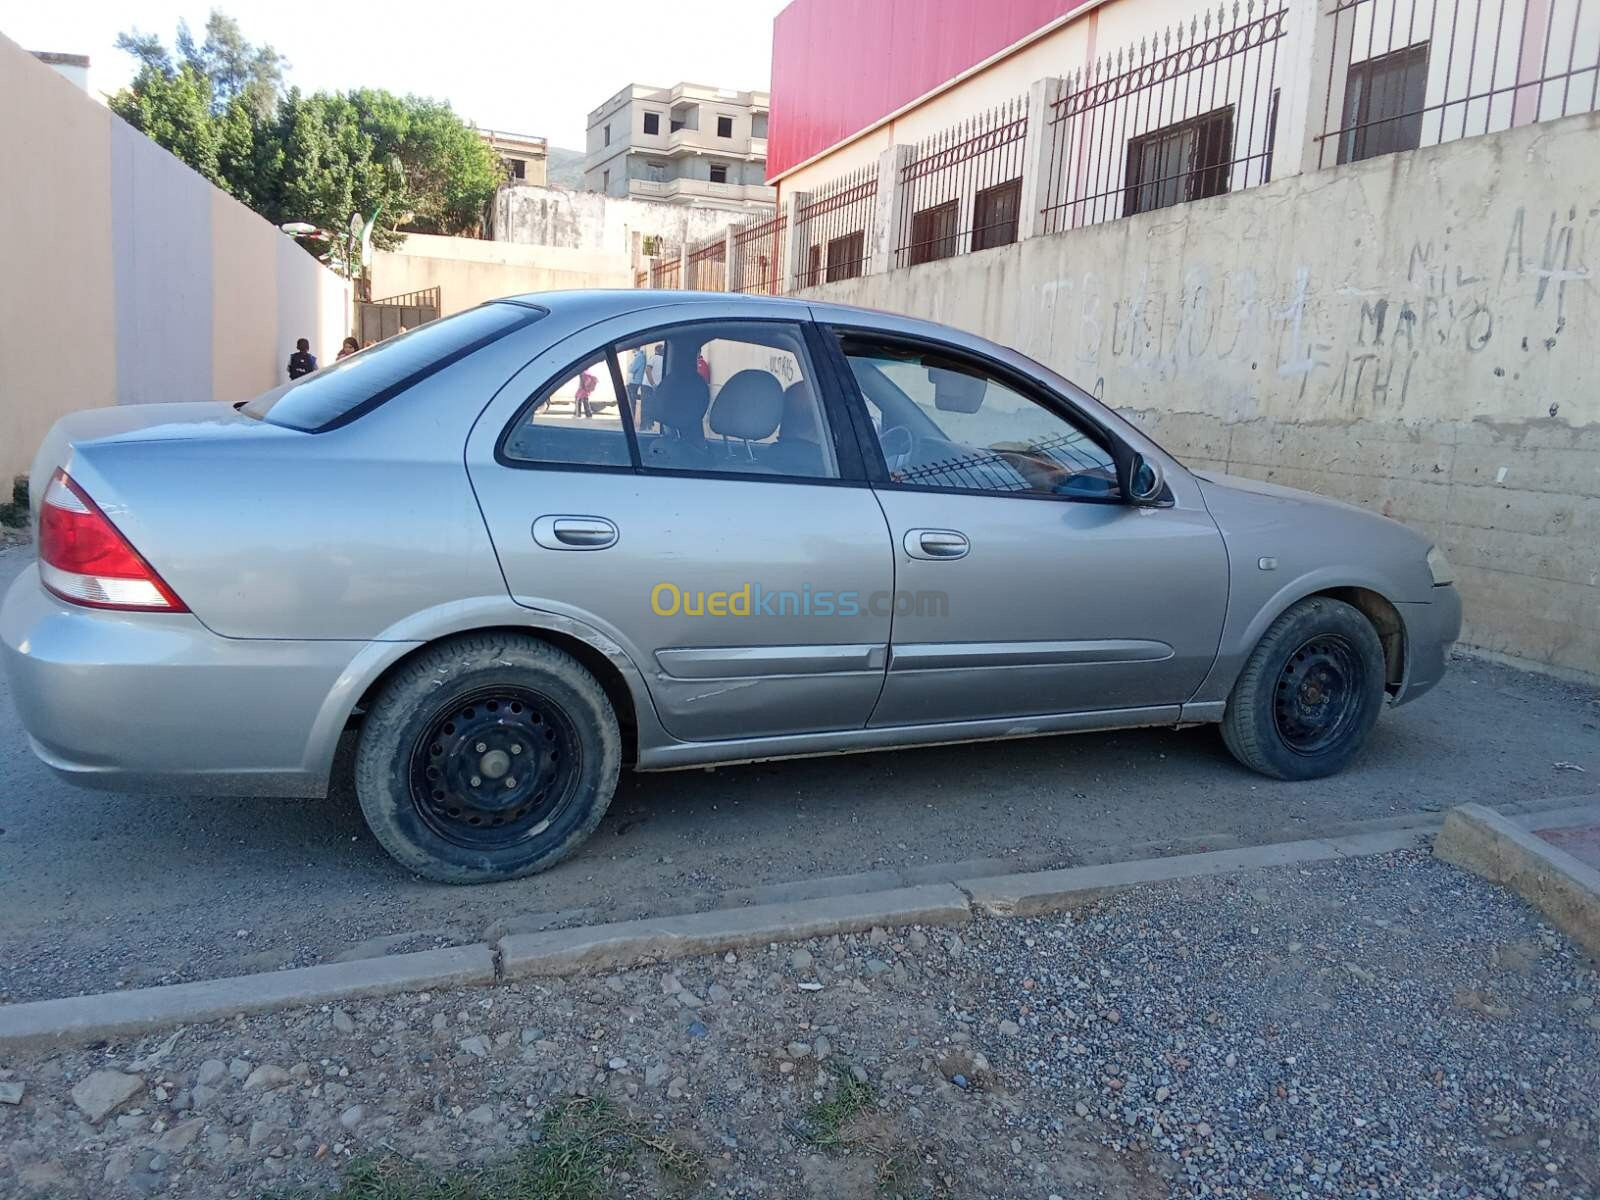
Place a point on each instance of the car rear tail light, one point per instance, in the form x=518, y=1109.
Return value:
x=85, y=559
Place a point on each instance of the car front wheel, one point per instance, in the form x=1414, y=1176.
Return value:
x=1309, y=693
x=490, y=756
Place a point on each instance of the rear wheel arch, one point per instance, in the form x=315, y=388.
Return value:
x=592, y=658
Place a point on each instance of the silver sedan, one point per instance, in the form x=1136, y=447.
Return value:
x=521, y=548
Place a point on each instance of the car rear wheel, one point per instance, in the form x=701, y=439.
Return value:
x=487, y=757
x=1309, y=694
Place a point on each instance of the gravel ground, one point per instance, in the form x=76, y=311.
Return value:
x=1384, y=1027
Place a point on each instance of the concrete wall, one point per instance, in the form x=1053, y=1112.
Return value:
x=1416, y=334
x=468, y=271
x=536, y=216
x=127, y=277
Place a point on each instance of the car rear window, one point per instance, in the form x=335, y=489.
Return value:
x=342, y=391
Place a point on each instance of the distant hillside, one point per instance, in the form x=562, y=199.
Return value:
x=565, y=168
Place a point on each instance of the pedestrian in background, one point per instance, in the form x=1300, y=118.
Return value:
x=302, y=361
x=636, y=376
x=350, y=347
x=586, y=385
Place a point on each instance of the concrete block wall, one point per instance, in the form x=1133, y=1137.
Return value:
x=558, y=217
x=1418, y=334
x=127, y=277
x=468, y=271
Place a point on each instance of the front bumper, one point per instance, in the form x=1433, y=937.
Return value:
x=1432, y=628
x=158, y=702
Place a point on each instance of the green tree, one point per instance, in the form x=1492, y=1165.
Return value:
x=221, y=107
x=173, y=111
x=237, y=69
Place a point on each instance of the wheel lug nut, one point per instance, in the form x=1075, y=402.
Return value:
x=510, y=782
x=516, y=747
x=481, y=747
x=476, y=782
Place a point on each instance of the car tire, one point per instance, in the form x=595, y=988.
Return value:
x=1309, y=693
x=487, y=757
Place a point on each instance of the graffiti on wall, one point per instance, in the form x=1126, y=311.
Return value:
x=1340, y=347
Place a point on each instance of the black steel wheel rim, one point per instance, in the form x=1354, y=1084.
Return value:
x=495, y=767
x=1318, y=694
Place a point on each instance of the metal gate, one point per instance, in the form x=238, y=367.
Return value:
x=379, y=319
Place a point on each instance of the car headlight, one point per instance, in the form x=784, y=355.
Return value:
x=1439, y=567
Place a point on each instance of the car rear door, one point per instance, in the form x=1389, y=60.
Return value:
x=732, y=563
x=1024, y=586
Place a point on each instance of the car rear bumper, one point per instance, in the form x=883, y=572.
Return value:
x=1431, y=630
x=156, y=701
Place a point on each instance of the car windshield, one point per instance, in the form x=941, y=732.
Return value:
x=338, y=394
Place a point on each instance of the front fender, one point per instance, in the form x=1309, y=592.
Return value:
x=1247, y=623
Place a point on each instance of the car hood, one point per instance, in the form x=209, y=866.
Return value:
x=1328, y=542
x=1259, y=487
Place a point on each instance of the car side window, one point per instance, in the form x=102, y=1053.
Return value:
x=577, y=420
x=945, y=422
x=728, y=397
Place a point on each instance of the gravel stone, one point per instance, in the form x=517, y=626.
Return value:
x=102, y=1093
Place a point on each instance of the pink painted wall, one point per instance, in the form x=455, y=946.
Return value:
x=840, y=65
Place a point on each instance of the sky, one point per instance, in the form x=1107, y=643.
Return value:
x=534, y=67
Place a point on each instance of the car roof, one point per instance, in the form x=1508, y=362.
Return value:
x=598, y=304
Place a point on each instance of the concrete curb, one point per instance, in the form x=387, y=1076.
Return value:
x=608, y=947
x=1037, y=892
x=1566, y=890
x=141, y=1010
x=613, y=946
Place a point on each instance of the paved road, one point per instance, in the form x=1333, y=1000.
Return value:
x=105, y=890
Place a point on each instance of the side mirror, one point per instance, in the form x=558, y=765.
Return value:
x=1146, y=481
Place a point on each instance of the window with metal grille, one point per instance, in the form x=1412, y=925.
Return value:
x=652, y=122
x=1186, y=161
x=1383, y=99
x=994, y=215
x=845, y=255
x=719, y=172
x=725, y=127
x=933, y=232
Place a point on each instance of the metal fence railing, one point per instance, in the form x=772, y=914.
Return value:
x=758, y=254
x=669, y=272
x=641, y=279
x=1410, y=73
x=961, y=189
x=1184, y=115
x=708, y=265
x=837, y=228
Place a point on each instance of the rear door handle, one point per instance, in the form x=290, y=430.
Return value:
x=574, y=533
x=936, y=543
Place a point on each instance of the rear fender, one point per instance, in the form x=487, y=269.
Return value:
x=447, y=620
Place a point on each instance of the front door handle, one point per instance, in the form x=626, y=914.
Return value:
x=574, y=533
x=936, y=543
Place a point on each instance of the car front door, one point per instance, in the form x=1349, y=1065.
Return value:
x=1024, y=584
x=727, y=540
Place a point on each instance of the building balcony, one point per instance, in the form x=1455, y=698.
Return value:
x=690, y=191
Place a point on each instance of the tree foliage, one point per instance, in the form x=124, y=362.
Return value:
x=221, y=106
